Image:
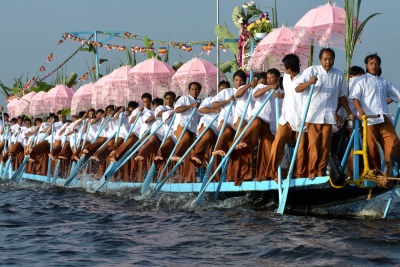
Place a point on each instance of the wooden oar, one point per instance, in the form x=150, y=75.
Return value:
x=277, y=115
x=115, y=166
x=50, y=160
x=110, y=167
x=77, y=165
x=18, y=173
x=225, y=159
x=282, y=202
x=160, y=185
x=150, y=173
x=77, y=168
x=211, y=161
x=7, y=168
x=242, y=118
x=175, y=147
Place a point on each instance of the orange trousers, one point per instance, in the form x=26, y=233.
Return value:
x=385, y=135
x=285, y=135
x=319, y=146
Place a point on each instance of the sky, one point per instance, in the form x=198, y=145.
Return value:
x=31, y=30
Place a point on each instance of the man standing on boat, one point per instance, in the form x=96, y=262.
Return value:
x=370, y=94
x=262, y=130
x=289, y=122
x=150, y=148
x=183, y=109
x=201, y=152
x=329, y=88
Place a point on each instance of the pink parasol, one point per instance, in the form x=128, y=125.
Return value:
x=97, y=101
x=151, y=75
x=58, y=98
x=82, y=99
x=273, y=47
x=115, y=86
x=196, y=70
x=325, y=24
x=37, y=103
x=24, y=104
x=11, y=106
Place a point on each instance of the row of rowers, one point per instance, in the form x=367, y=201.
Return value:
x=92, y=134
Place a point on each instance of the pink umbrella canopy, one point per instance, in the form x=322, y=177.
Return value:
x=82, y=99
x=115, y=86
x=272, y=48
x=24, y=104
x=97, y=101
x=196, y=70
x=37, y=103
x=150, y=76
x=11, y=106
x=325, y=24
x=58, y=98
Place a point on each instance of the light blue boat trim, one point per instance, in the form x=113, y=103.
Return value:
x=192, y=187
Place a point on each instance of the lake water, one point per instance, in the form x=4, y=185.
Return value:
x=43, y=225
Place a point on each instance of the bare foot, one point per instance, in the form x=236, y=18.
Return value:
x=311, y=177
x=94, y=157
x=158, y=158
x=175, y=158
x=85, y=151
x=196, y=160
x=139, y=158
x=31, y=160
x=51, y=156
x=219, y=152
x=113, y=160
x=62, y=157
x=241, y=145
x=75, y=158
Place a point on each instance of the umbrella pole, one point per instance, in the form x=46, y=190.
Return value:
x=311, y=55
x=217, y=47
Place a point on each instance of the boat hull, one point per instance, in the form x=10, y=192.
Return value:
x=304, y=194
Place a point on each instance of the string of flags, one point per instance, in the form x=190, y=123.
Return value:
x=206, y=47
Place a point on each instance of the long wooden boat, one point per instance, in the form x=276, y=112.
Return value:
x=304, y=193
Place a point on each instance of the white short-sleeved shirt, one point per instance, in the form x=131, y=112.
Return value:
x=182, y=117
x=77, y=135
x=268, y=112
x=159, y=120
x=292, y=103
x=265, y=113
x=146, y=125
x=224, y=95
x=240, y=106
x=92, y=130
x=166, y=119
x=137, y=129
x=206, y=118
x=21, y=136
x=30, y=139
x=124, y=127
x=372, y=92
x=329, y=87
x=40, y=134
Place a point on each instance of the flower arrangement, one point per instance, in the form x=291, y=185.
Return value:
x=242, y=14
x=259, y=26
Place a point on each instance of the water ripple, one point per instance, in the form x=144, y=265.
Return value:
x=47, y=225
